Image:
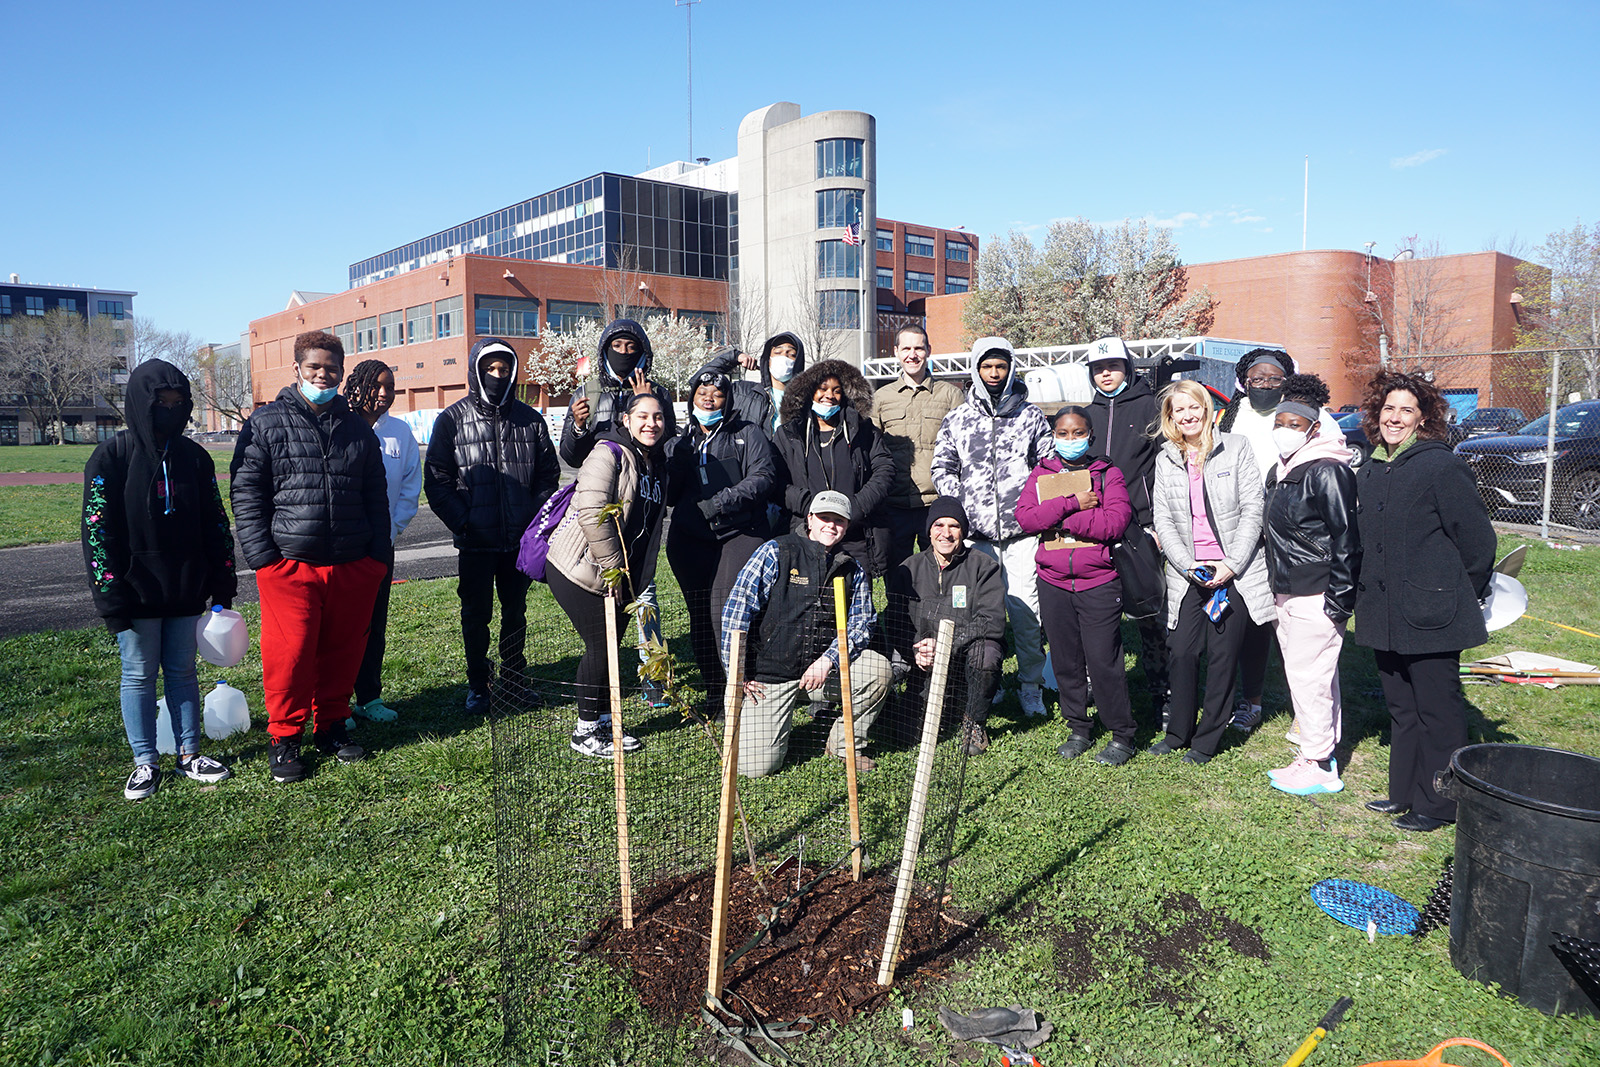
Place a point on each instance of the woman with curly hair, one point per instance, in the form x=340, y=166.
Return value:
x=1428, y=554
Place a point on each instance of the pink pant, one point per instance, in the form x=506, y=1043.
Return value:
x=1311, y=643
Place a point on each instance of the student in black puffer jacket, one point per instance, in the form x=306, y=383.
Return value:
x=311, y=506
x=490, y=468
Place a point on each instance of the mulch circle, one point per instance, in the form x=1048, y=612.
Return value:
x=819, y=961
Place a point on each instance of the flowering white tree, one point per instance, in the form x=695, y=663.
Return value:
x=561, y=360
x=680, y=349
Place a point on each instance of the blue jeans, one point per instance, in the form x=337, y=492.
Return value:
x=167, y=645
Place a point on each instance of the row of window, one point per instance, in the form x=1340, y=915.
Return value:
x=493, y=316
x=921, y=282
x=922, y=245
x=34, y=305
x=413, y=326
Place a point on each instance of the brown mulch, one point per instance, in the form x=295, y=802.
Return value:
x=820, y=960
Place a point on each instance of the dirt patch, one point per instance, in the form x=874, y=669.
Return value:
x=819, y=958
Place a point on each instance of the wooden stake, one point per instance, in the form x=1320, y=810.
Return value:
x=733, y=704
x=614, y=672
x=919, y=799
x=848, y=720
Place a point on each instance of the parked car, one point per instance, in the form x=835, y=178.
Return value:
x=1485, y=421
x=1355, y=437
x=1510, y=468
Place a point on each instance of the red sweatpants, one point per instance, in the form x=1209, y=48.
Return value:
x=314, y=622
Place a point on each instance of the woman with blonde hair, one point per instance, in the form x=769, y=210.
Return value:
x=1207, y=507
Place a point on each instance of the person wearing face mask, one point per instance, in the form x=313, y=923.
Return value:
x=1313, y=563
x=157, y=546
x=827, y=440
x=630, y=471
x=950, y=581
x=490, y=468
x=721, y=476
x=369, y=390
x=311, y=507
x=982, y=456
x=909, y=411
x=1080, y=594
x=758, y=403
x=1126, y=421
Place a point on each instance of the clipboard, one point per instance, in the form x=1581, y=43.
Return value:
x=1063, y=483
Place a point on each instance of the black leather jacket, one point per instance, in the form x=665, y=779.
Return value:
x=1313, y=545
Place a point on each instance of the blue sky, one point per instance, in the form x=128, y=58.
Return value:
x=215, y=156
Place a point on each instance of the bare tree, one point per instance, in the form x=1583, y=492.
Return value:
x=221, y=383
x=747, y=325
x=1409, y=305
x=1561, y=299
x=60, y=360
x=623, y=292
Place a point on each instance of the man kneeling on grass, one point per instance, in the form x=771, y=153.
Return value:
x=784, y=599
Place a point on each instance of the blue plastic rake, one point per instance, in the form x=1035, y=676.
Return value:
x=1365, y=906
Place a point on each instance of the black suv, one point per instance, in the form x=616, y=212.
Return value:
x=1485, y=421
x=1510, y=469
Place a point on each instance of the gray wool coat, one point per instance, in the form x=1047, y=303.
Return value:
x=1235, y=501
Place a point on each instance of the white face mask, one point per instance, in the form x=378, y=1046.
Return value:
x=782, y=368
x=1288, y=441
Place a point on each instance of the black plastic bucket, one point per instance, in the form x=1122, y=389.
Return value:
x=1527, y=867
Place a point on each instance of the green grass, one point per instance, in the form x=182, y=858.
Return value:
x=45, y=459
x=39, y=514
x=351, y=919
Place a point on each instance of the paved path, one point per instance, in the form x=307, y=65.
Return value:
x=33, y=478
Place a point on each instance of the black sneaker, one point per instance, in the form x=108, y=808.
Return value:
x=1075, y=746
x=145, y=780
x=974, y=738
x=203, y=769
x=1162, y=747
x=477, y=702
x=629, y=742
x=283, y=757
x=1114, y=754
x=335, y=742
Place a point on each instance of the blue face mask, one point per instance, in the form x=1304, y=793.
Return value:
x=824, y=411
x=708, y=418
x=315, y=395
x=1073, y=449
x=1115, y=392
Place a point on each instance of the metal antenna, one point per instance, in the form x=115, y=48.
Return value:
x=688, y=33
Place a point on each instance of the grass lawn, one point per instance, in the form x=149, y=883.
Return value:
x=39, y=514
x=45, y=459
x=351, y=919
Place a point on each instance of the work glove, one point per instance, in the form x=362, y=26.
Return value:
x=1016, y=1026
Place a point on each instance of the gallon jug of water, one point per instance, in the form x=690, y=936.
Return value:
x=166, y=744
x=226, y=712
x=222, y=637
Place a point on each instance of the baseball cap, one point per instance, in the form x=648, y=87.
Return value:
x=830, y=502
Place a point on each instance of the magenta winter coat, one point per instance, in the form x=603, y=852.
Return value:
x=1077, y=568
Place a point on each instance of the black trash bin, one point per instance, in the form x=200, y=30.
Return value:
x=1527, y=868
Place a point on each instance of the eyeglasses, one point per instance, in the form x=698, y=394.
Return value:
x=1263, y=383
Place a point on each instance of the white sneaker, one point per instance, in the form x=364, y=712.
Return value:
x=203, y=769
x=629, y=742
x=592, y=743
x=1033, y=701
x=144, y=781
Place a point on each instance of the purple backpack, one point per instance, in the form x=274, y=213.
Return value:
x=535, y=547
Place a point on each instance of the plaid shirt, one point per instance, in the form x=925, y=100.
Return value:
x=754, y=585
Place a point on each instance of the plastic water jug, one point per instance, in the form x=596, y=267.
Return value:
x=226, y=712
x=166, y=744
x=222, y=636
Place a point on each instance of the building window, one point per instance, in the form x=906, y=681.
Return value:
x=838, y=207
x=67, y=303
x=839, y=158
x=835, y=259
x=506, y=316
x=112, y=308
x=710, y=322
x=957, y=251
x=346, y=334
x=918, y=245
x=886, y=240
x=449, y=318
x=840, y=309
x=367, y=334
x=5, y=303
x=419, y=324
x=390, y=327
x=918, y=282
x=953, y=284
x=563, y=316
x=885, y=278
x=35, y=304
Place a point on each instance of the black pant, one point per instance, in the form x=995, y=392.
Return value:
x=1221, y=641
x=973, y=678
x=908, y=527
x=480, y=576
x=369, y=679
x=1427, y=723
x=1254, y=654
x=706, y=571
x=1084, y=628
x=587, y=611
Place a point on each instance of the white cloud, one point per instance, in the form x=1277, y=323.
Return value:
x=1417, y=159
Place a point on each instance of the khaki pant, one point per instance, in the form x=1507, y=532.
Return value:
x=764, y=725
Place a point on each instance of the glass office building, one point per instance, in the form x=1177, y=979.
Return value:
x=609, y=220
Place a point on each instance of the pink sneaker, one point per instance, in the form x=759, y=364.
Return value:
x=1303, y=778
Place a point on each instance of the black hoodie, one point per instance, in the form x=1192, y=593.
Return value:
x=607, y=394
x=1127, y=431
x=721, y=477
x=753, y=400
x=490, y=467
x=155, y=536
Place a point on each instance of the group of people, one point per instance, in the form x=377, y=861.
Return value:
x=775, y=488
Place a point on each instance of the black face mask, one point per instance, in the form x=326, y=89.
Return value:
x=622, y=365
x=168, y=422
x=1264, y=400
x=495, y=389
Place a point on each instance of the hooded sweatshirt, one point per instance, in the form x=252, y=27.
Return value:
x=607, y=391
x=1081, y=566
x=721, y=476
x=490, y=465
x=984, y=450
x=1127, y=431
x=155, y=536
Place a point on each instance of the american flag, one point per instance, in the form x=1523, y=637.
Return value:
x=852, y=232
